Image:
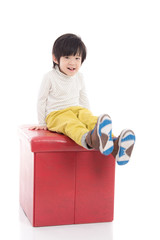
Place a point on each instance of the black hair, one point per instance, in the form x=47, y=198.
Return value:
x=67, y=45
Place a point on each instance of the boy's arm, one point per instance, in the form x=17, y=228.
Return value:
x=42, y=100
x=83, y=99
x=41, y=104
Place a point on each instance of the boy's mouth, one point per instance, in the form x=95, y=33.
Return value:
x=71, y=69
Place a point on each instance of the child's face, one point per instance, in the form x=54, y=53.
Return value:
x=70, y=65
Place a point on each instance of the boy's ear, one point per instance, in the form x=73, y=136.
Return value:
x=54, y=59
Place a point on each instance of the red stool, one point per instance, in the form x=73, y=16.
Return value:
x=63, y=183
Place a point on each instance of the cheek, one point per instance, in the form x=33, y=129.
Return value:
x=79, y=64
x=62, y=64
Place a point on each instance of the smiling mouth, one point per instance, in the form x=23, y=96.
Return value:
x=71, y=69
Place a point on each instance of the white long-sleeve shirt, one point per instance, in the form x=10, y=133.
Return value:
x=59, y=91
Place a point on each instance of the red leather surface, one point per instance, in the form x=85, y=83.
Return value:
x=26, y=182
x=42, y=141
x=95, y=174
x=64, y=187
x=55, y=188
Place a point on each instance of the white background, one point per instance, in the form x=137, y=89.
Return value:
x=122, y=74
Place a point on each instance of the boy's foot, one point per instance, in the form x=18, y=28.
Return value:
x=123, y=146
x=100, y=137
x=104, y=132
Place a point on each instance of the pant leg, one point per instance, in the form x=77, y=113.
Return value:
x=66, y=122
x=87, y=118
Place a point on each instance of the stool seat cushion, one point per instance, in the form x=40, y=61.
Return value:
x=42, y=140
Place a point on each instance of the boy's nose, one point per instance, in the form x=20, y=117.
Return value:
x=72, y=61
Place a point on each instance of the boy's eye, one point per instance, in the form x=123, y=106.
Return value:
x=68, y=57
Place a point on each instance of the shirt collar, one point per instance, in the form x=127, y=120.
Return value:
x=62, y=74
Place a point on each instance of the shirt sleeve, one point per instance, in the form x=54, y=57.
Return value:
x=83, y=99
x=42, y=99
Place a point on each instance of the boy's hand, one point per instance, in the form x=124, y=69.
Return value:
x=38, y=128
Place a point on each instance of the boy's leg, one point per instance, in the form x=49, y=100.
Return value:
x=87, y=118
x=66, y=122
x=101, y=136
x=123, y=146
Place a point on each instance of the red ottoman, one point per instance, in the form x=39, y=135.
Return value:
x=63, y=183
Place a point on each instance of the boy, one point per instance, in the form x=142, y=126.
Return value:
x=63, y=104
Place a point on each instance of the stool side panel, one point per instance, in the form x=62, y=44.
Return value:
x=63, y=183
x=95, y=178
x=54, y=188
x=26, y=182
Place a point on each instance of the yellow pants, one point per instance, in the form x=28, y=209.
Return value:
x=73, y=122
